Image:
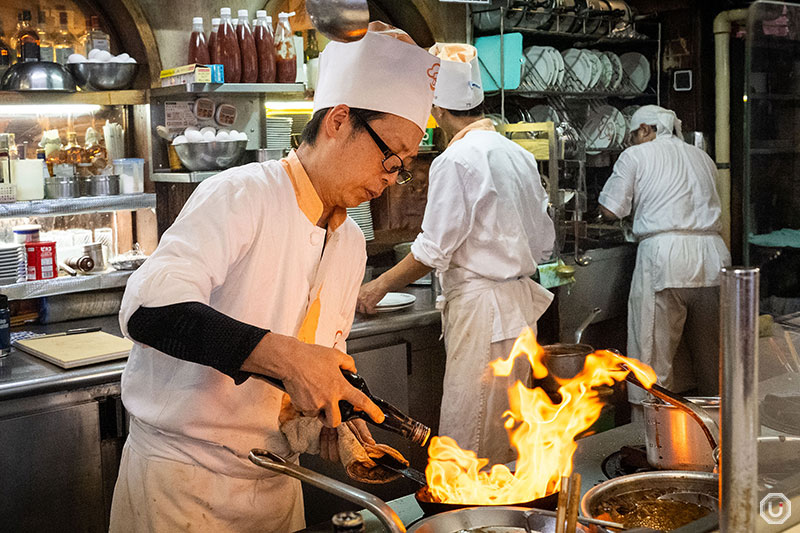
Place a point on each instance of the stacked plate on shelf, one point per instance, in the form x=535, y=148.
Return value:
x=363, y=217
x=12, y=264
x=637, y=71
x=605, y=128
x=544, y=68
x=279, y=133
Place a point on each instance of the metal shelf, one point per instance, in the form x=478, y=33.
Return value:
x=74, y=206
x=65, y=285
x=183, y=177
x=587, y=95
x=125, y=97
x=289, y=89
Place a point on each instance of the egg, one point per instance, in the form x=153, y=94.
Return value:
x=76, y=58
x=123, y=57
x=208, y=128
x=223, y=136
x=233, y=133
x=190, y=128
x=194, y=136
x=131, y=60
x=208, y=136
x=117, y=59
x=241, y=136
x=180, y=139
x=93, y=53
x=103, y=56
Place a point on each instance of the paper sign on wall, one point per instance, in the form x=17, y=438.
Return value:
x=179, y=115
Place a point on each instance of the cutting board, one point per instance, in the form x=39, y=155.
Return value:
x=489, y=60
x=70, y=351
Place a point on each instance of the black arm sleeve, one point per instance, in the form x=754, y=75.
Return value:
x=195, y=332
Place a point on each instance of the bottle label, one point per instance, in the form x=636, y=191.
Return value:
x=62, y=54
x=100, y=44
x=29, y=52
x=46, y=53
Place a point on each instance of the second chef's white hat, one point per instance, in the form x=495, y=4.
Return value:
x=458, y=86
x=663, y=119
x=383, y=71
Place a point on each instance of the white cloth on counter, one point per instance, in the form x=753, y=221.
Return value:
x=669, y=186
x=247, y=244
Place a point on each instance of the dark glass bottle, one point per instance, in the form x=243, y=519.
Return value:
x=6, y=55
x=312, y=48
x=26, y=40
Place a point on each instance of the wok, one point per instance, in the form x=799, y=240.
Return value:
x=430, y=507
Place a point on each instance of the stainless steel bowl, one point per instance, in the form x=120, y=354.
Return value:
x=103, y=76
x=217, y=155
x=38, y=76
x=61, y=187
x=103, y=185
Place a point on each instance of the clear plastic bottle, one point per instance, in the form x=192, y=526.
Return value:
x=26, y=40
x=265, y=47
x=226, y=48
x=247, y=49
x=198, y=48
x=286, y=55
x=212, y=39
x=46, y=52
x=64, y=44
x=95, y=37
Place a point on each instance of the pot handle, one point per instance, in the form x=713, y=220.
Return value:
x=276, y=463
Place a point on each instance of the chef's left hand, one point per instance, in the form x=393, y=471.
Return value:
x=369, y=295
x=329, y=439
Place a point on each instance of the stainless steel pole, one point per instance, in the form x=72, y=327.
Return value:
x=738, y=488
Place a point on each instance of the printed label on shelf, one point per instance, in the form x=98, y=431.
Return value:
x=179, y=115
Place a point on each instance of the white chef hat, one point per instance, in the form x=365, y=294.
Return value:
x=382, y=71
x=458, y=86
x=664, y=120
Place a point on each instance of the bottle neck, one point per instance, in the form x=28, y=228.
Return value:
x=197, y=28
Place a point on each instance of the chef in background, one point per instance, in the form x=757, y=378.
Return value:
x=484, y=230
x=260, y=274
x=669, y=187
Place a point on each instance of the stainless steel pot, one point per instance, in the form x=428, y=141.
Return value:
x=103, y=185
x=62, y=187
x=565, y=361
x=674, y=440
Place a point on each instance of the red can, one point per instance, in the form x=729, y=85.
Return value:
x=41, y=260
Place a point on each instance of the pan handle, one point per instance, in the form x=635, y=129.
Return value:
x=276, y=463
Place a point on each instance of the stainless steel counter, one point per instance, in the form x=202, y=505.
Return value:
x=24, y=375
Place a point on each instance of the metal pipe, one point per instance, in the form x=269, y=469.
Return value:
x=738, y=489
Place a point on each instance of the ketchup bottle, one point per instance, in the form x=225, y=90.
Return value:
x=265, y=47
x=286, y=62
x=247, y=47
x=212, y=39
x=198, y=48
x=226, y=48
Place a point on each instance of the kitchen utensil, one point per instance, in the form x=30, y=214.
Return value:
x=394, y=301
x=489, y=59
x=578, y=70
x=581, y=519
x=276, y=463
x=673, y=440
x=561, y=510
x=429, y=507
x=563, y=361
x=574, y=501
x=390, y=463
x=618, y=497
x=585, y=324
x=38, y=76
x=340, y=20
x=74, y=331
x=103, y=76
x=637, y=72
x=70, y=351
x=95, y=251
x=539, y=17
x=101, y=185
x=217, y=155
x=501, y=518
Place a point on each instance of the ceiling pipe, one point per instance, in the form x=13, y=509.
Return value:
x=722, y=38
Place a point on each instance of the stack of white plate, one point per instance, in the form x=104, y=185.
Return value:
x=279, y=133
x=605, y=128
x=637, y=71
x=544, y=68
x=363, y=217
x=12, y=263
x=395, y=301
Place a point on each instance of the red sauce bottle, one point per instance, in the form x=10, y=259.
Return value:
x=247, y=47
x=265, y=47
x=226, y=48
x=212, y=39
x=286, y=56
x=198, y=48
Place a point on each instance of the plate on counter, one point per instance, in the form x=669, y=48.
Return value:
x=395, y=301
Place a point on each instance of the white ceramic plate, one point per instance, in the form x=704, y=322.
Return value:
x=617, y=72
x=538, y=71
x=544, y=113
x=597, y=70
x=394, y=301
x=559, y=62
x=637, y=71
x=578, y=68
x=603, y=128
x=606, y=72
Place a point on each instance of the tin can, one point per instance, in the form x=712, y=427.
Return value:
x=41, y=260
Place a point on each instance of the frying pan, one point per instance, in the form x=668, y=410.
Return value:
x=430, y=507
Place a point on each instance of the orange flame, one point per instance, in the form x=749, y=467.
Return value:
x=541, y=431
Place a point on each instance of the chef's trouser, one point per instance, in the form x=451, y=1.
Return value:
x=676, y=331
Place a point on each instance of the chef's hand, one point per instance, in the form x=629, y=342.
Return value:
x=369, y=295
x=312, y=376
x=329, y=439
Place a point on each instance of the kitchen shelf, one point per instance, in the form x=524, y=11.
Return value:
x=125, y=97
x=775, y=97
x=74, y=206
x=65, y=285
x=183, y=177
x=587, y=95
x=577, y=37
x=278, y=89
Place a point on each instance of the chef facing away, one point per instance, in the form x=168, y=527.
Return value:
x=669, y=187
x=484, y=230
x=260, y=273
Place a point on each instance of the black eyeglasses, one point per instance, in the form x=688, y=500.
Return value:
x=391, y=161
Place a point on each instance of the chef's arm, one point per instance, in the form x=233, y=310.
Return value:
x=196, y=332
x=406, y=271
x=608, y=215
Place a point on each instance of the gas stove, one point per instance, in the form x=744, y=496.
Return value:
x=626, y=460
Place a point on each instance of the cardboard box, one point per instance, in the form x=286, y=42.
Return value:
x=187, y=74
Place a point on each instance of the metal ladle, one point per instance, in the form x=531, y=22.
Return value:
x=339, y=20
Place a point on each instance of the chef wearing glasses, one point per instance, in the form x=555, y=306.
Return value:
x=484, y=230
x=260, y=274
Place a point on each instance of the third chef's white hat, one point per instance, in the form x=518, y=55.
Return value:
x=663, y=119
x=458, y=86
x=383, y=71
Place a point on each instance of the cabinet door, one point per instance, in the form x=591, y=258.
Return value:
x=51, y=471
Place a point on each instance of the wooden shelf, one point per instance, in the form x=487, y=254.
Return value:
x=126, y=97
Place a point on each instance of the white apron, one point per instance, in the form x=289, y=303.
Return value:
x=481, y=320
x=245, y=244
